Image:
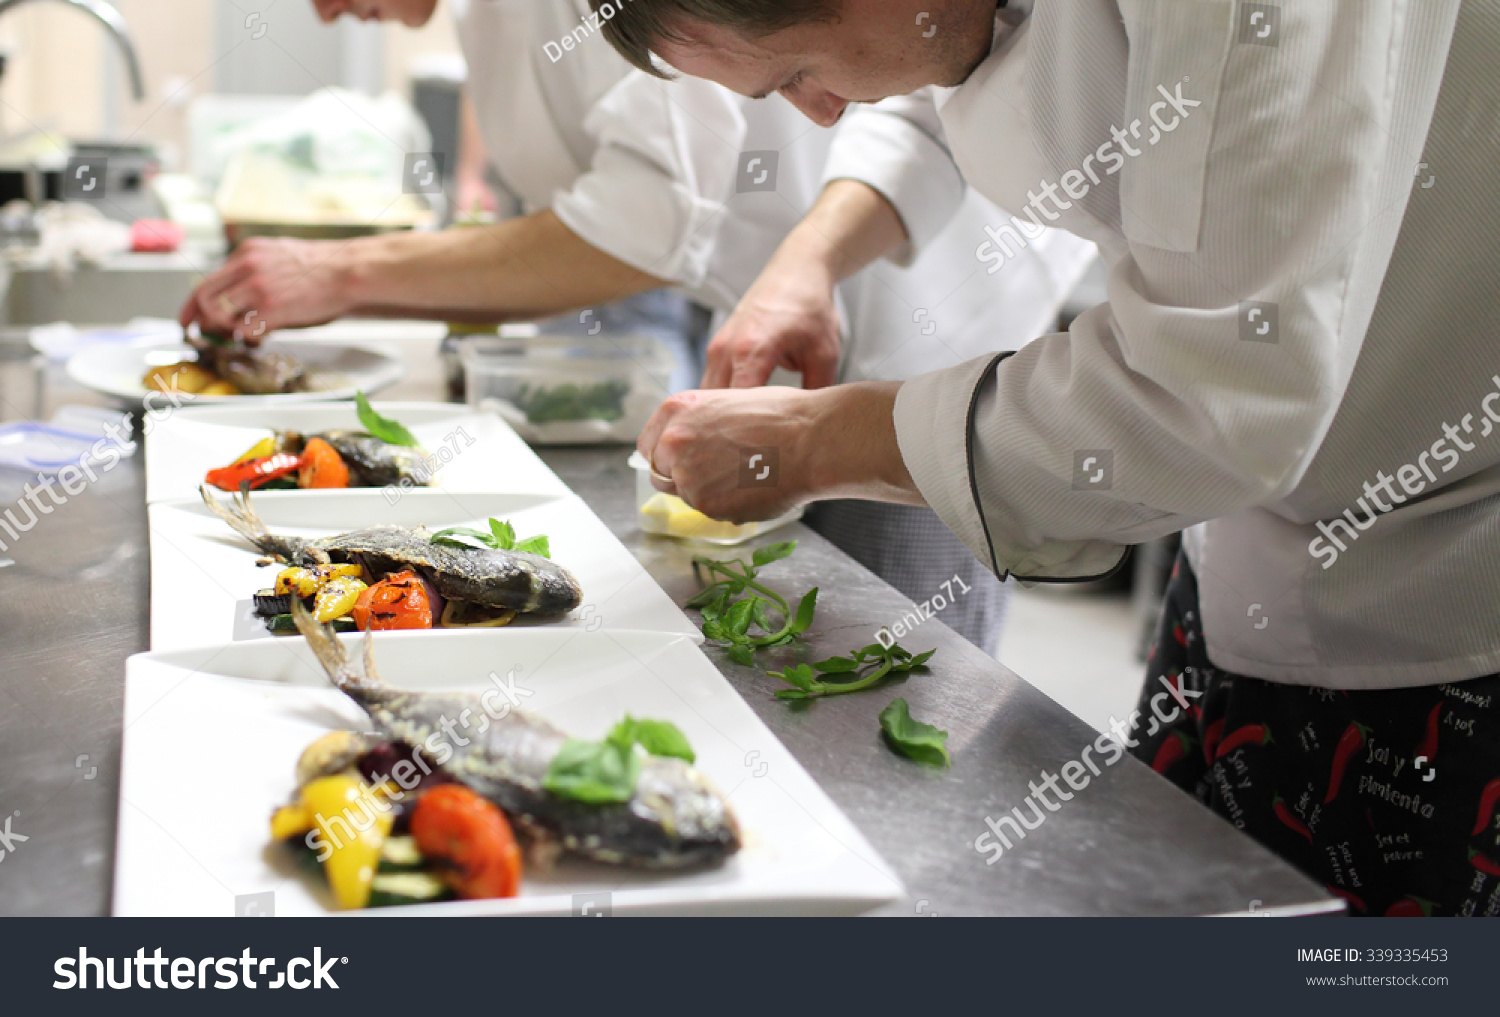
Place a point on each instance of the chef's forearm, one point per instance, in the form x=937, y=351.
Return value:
x=851, y=226
x=529, y=267
x=850, y=450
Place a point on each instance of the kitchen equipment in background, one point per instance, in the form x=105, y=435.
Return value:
x=114, y=23
x=667, y=515
x=33, y=169
x=564, y=390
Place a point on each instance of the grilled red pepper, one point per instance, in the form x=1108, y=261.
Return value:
x=256, y=472
x=1349, y=742
x=1352, y=899
x=1410, y=907
x=1250, y=734
x=1211, y=736
x=1488, y=866
x=1428, y=748
x=1172, y=751
x=1487, y=799
x=1288, y=817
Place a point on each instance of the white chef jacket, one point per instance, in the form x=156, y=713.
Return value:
x=658, y=175
x=1292, y=316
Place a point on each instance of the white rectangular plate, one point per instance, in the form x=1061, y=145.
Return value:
x=212, y=737
x=474, y=451
x=202, y=571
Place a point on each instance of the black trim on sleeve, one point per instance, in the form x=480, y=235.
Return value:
x=989, y=372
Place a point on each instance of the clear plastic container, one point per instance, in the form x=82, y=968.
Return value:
x=561, y=390
x=667, y=515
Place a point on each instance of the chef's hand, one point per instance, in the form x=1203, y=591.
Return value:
x=744, y=456
x=788, y=319
x=269, y=284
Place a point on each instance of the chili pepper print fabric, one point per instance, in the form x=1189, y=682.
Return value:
x=1390, y=799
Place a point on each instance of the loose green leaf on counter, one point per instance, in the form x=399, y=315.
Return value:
x=387, y=430
x=912, y=738
x=606, y=772
x=869, y=667
x=735, y=604
x=501, y=537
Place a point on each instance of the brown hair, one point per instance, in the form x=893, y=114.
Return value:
x=637, y=26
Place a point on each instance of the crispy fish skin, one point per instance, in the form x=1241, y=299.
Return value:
x=509, y=580
x=374, y=463
x=675, y=820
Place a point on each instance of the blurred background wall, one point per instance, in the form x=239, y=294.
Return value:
x=63, y=75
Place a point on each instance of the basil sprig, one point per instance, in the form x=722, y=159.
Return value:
x=384, y=428
x=912, y=738
x=605, y=773
x=735, y=603
x=501, y=537
x=869, y=667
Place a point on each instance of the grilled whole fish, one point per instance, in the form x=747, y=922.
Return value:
x=675, y=820
x=253, y=372
x=509, y=580
x=374, y=463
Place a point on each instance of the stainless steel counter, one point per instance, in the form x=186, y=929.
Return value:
x=74, y=606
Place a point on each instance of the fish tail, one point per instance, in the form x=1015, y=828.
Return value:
x=325, y=645
x=244, y=521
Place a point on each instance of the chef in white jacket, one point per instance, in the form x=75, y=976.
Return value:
x=633, y=183
x=1297, y=361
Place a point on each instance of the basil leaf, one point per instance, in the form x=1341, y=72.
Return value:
x=741, y=654
x=804, y=616
x=739, y=617
x=775, y=552
x=505, y=535
x=662, y=738
x=707, y=596
x=837, y=665
x=912, y=738
x=599, y=773
x=536, y=545
x=799, y=675
x=463, y=536
x=384, y=428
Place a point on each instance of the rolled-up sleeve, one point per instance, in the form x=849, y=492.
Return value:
x=897, y=148
x=653, y=196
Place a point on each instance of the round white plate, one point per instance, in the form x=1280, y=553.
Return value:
x=337, y=370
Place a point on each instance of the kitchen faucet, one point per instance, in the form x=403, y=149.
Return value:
x=115, y=22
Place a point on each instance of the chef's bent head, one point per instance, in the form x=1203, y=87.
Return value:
x=820, y=54
x=412, y=13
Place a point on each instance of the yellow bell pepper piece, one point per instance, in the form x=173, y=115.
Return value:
x=261, y=449
x=337, y=598
x=290, y=821
x=353, y=822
